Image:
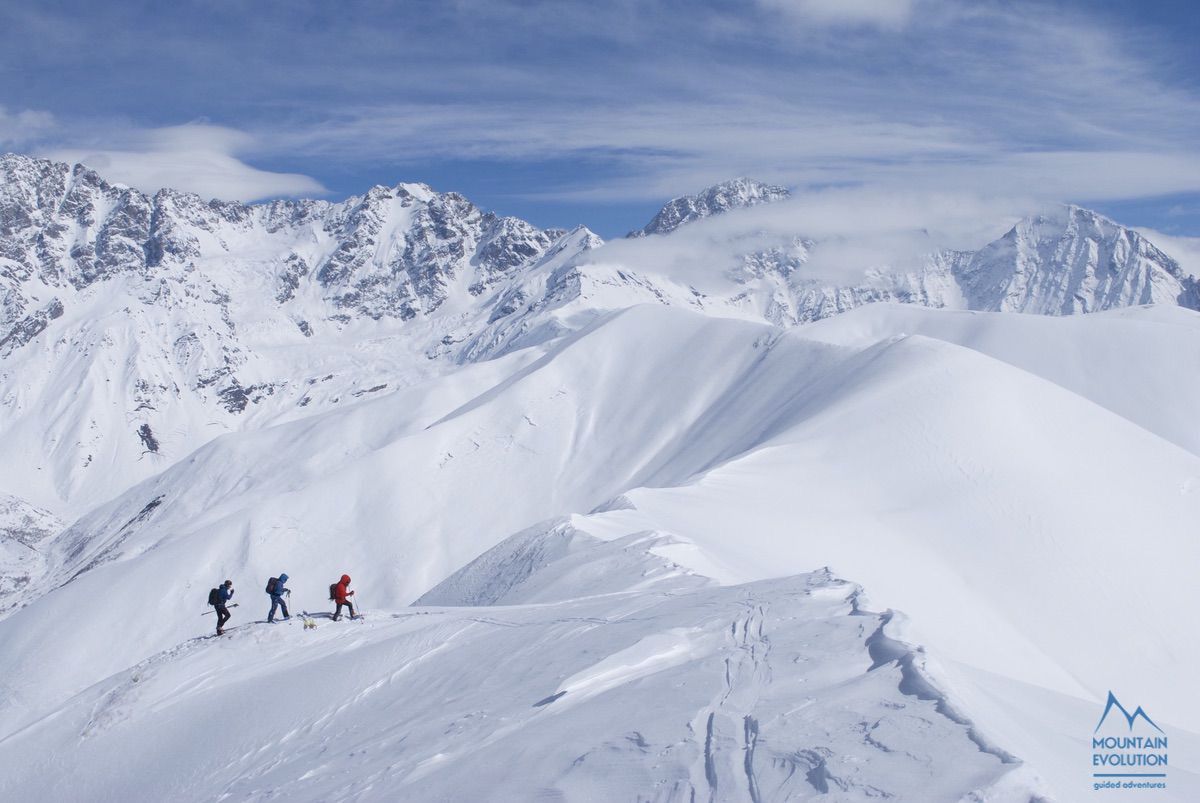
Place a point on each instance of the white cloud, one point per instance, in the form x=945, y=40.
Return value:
x=634, y=100
x=196, y=157
x=854, y=229
x=673, y=148
x=1184, y=250
x=892, y=14
x=974, y=99
x=18, y=130
x=1057, y=175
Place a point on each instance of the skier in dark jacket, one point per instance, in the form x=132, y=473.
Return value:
x=277, y=600
x=341, y=593
x=224, y=593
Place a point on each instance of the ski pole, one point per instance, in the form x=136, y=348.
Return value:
x=214, y=610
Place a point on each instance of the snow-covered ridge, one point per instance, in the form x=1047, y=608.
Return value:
x=135, y=328
x=713, y=705
x=658, y=624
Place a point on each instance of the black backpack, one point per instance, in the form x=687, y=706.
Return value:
x=333, y=591
x=214, y=597
x=272, y=584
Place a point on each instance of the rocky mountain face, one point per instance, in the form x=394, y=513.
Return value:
x=1071, y=261
x=23, y=529
x=395, y=252
x=1064, y=261
x=740, y=193
x=135, y=328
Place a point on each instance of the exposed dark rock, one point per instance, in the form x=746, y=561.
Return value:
x=148, y=439
x=30, y=327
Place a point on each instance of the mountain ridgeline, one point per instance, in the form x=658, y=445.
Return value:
x=135, y=328
x=619, y=466
x=407, y=251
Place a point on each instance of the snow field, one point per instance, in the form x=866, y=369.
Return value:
x=751, y=692
x=1033, y=520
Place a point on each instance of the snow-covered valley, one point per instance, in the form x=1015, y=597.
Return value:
x=619, y=536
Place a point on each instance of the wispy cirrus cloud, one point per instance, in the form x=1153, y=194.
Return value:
x=22, y=128
x=854, y=229
x=977, y=97
x=195, y=157
x=1184, y=250
x=628, y=101
x=885, y=14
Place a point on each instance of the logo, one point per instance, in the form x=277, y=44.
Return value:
x=1138, y=713
x=1129, y=750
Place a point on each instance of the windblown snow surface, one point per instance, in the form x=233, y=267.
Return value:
x=900, y=553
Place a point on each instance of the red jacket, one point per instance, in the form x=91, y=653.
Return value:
x=343, y=589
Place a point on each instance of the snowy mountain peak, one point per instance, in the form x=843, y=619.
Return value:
x=1069, y=259
x=739, y=193
x=152, y=309
x=1066, y=221
x=149, y=306
x=422, y=192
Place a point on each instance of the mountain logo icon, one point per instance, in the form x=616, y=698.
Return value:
x=1138, y=713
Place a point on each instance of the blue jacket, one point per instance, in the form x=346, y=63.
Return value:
x=226, y=593
x=279, y=589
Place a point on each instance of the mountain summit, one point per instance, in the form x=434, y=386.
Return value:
x=1068, y=260
x=740, y=193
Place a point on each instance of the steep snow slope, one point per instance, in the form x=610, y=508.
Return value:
x=403, y=499
x=992, y=488
x=1024, y=531
x=1141, y=363
x=134, y=328
x=639, y=683
x=971, y=494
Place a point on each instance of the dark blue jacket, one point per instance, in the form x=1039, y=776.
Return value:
x=279, y=589
x=226, y=593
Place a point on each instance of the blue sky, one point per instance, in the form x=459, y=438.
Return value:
x=596, y=113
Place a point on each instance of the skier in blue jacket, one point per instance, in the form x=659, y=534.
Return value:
x=276, y=590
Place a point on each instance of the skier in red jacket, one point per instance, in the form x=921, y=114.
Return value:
x=341, y=593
